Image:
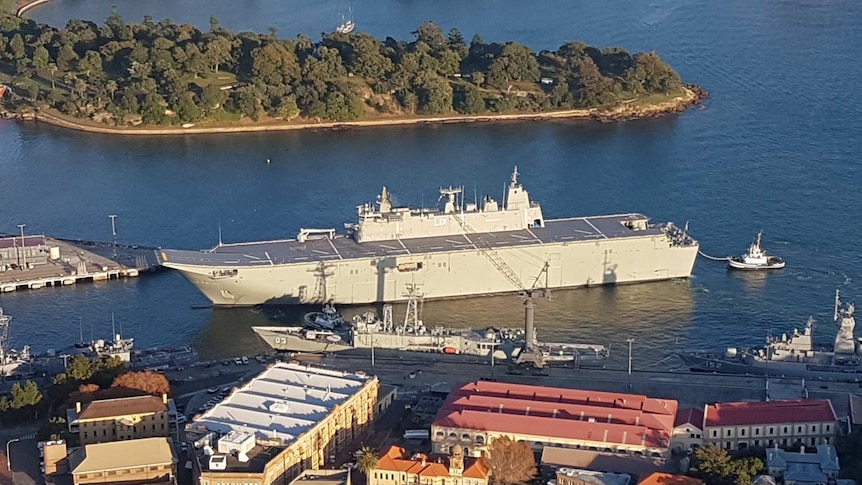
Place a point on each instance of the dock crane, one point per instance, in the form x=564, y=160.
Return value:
x=530, y=354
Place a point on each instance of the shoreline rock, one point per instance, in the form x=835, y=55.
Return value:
x=693, y=96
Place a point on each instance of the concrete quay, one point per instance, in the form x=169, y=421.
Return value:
x=691, y=389
x=80, y=261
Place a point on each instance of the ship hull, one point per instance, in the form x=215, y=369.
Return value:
x=295, y=343
x=442, y=274
x=699, y=363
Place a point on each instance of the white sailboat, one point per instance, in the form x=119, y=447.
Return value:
x=347, y=24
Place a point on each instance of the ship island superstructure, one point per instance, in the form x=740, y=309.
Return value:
x=463, y=249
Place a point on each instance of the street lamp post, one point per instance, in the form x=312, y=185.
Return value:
x=9, y=458
x=23, y=247
x=114, y=232
x=630, y=361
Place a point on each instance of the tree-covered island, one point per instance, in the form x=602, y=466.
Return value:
x=162, y=74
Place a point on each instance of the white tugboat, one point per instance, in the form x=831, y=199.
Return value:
x=756, y=258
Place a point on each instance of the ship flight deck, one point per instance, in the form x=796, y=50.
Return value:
x=342, y=247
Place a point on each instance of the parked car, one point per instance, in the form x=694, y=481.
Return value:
x=245, y=360
x=237, y=361
x=212, y=390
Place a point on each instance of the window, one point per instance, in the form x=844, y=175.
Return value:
x=756, y=431
x=771, y=430
x=691, y=435
x=742, y=432
x=697, y=435
x=813, y=428
x=827, y=428
x=799, y=429
x=729, y=432
x=715, y=433
x=785, y=430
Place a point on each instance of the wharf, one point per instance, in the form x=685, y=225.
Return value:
x=79, y=261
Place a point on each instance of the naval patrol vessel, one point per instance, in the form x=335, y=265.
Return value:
x=463, y=249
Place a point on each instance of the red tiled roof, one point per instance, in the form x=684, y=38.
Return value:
x=114, y=408
x=659, y=478
x=559, y=413
x=478, y=469
x=568, y=396
x=396, y=459
x=771, y=412
x=689, y=416
x=540, y=427
x=580, y=412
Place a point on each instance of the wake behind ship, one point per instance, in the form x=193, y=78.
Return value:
x=463, y=249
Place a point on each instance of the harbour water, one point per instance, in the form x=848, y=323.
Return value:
x=775, y=148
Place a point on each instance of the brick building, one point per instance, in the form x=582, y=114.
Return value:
x=142, y=461
x=288, y=419
x=397, y=467
x=478, y=412
x=121, y=419
x=739, y=425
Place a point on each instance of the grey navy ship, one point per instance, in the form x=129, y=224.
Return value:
x=793, y=356
x=366, y=331
x=463, y=249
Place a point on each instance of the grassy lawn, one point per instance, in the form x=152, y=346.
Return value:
x=652, y=99
x=219, y=79
x=9, y=6
x=222, y=116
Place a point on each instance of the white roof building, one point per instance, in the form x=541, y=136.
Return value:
x=281, y=403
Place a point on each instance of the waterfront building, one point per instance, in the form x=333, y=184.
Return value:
x=33, y=250
x=398, y=467
x=478, y=412
x=740, y=425
x=288, y=419
x=687, y=430
x=122, y=419
x=575, y=476
x=820, y=468
x=147, y=460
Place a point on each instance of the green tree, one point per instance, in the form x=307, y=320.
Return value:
x=218, y=51
x=91, y=64
x=28, y=395
x=212, y=97
x=66, y=58
x=367, y=461
x=287, y=108
x=715, y=466
x=471, y=100
x=434, y=94
x=41, y=58
x=17, y=48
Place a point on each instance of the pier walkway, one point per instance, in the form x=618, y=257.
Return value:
x=78, y=261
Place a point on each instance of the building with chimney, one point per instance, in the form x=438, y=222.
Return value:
x=398, y=467
x=766, y=424
x=288, y=419
x=478, y=412
x=120, y=419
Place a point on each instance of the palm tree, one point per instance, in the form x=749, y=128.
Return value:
x=53, y=68
x=367, y=460
x=112, y=87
